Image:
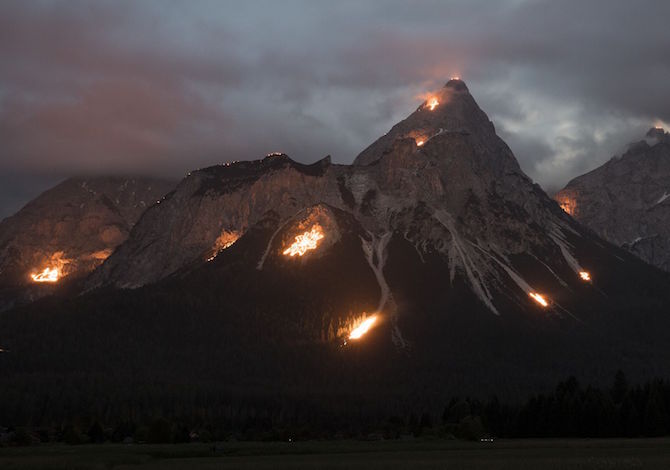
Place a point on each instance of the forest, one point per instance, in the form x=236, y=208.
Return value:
x=75, y=415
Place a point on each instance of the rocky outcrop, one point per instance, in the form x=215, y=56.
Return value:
x=627, y=200
x=74, y=226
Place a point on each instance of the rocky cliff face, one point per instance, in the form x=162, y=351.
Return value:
x=72, y=228
x=627, y=200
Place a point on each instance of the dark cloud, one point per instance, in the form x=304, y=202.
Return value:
x=161, y=87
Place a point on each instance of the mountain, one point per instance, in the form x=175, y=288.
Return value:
x=70, y=229
x=441, y=178
x=627, y=200
x=432, y=266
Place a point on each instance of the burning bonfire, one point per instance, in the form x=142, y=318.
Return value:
x=54, y=271
x=223, y=241
x=568, y=203
x=359, y=327
x=539, y=299
x=48, y=275
x=305, y=242
x=363, y=327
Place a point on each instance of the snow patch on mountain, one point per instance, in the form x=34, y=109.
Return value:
x=458, y=252
x=559, y=238
x=376, y=256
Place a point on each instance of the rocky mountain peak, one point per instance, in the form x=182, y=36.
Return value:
x=73, y=227
x=457, y=84
x=441, y=183
x=451, y=109
x=657, y=134
x=626, y=200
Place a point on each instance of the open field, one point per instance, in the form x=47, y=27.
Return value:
x=422, y=454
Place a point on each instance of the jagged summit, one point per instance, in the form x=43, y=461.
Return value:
x=451, y=109
x=457, y=84
x=657, y=134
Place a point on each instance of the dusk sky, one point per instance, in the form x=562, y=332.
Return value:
x=162, y=87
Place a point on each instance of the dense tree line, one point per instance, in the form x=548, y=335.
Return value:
x=158, y=415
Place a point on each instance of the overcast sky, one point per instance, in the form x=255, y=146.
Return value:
x=161, y=87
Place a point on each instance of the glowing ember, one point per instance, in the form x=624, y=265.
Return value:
x=585, y=275
x=100, y=255
x=419, y=143
x=305, y=242
x=539, y=299
x=363, y=328
x=48, y=275
x=432, y=103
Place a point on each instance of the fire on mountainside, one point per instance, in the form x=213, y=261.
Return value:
x=53, y=271
x=539, y=299
x=305, y=242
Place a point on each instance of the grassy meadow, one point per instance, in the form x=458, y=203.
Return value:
x=398, y=454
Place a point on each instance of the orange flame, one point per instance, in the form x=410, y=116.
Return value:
x=539, y=299
x=48, y=275
x=363, y=328
x=419, y=143
x=305, y=242
x=585, y=275
x=223, y=241
x=568, y=204
x=432, y=103
x=54, y=269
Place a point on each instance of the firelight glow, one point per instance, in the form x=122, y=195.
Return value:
x=538, y=298
x=363, y=328
x=568, y=205
x=432, y=103
x=305, y=242
x=419, y=143
x=585, y=275
x=47, y=275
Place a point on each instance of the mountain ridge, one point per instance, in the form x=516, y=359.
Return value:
x=625, y=200
x=71, y=228
x=257, y=277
